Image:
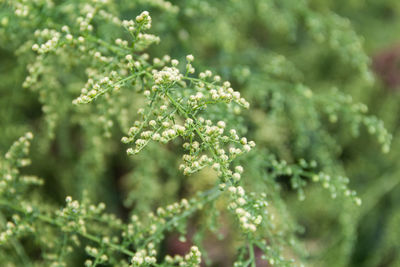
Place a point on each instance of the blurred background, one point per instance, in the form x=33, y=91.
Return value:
x=266, y=49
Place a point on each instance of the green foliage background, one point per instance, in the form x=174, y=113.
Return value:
x=302, y=65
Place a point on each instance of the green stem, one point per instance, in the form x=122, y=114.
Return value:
x=252, y=256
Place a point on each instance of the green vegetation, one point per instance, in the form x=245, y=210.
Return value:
x=199, y=133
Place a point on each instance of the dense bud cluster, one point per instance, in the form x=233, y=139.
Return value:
x=244, y=209
x=167, y=75
x=142, y=259
x=192, y=259
x=10, y=175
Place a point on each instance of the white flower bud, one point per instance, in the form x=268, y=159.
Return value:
x=190, y=58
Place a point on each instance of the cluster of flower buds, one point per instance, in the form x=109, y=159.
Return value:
x=376, y=127
x=21, y=8
x=157, y=224
x=192, y=259
x=189, y=68
x=52, y=37
x=144, y=20
x=142, y=258
x=210, y=92
x=218, y=158
x=336, y=185
x=95, y=253
x=74, y=216
x=167, y=75
x=15, y=158
x=248, y=211
x=157, y=130
x=14, y=229
x=84, y=22
x=94, y=88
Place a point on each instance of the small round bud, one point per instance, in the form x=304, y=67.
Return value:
x=190, y=58
x=174, y=62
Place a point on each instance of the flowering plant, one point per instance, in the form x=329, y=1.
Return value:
x=203, y=161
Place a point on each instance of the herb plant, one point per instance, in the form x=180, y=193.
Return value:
x=227, y=127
